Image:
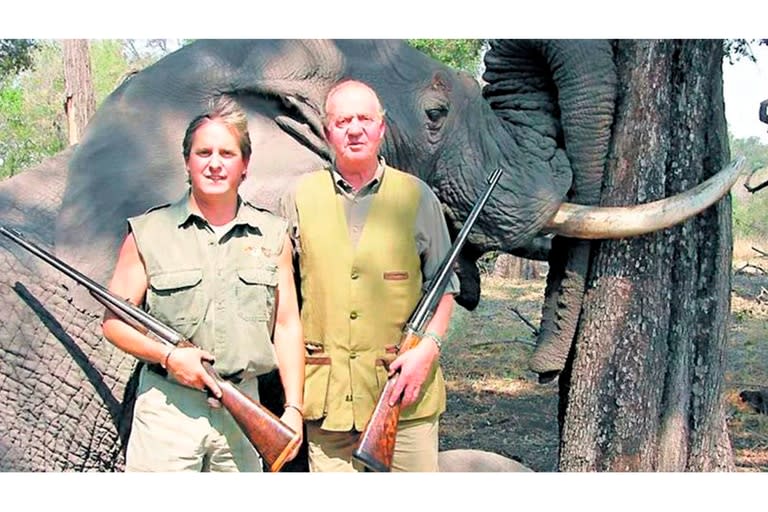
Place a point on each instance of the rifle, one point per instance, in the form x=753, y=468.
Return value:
x=273, y=439
x=377, y=441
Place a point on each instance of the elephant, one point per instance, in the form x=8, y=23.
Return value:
x=544, y=116
x=477, y=461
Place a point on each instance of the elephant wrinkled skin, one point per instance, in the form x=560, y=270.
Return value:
x=544, y=117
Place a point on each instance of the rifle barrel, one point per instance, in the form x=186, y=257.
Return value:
x=377, y=441
x=107, y=298
x=426, y=305
x=273, y=439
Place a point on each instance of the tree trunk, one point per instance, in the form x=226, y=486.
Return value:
x=79, y=101
x=509, y=266
x=643, y=389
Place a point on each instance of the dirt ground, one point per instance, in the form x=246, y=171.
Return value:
x=748, y=367
x=496, y=404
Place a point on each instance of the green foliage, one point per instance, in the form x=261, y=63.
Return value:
x=750, y=217
x=32, y=123
x=32, y=120
x=15, y=56
x=750, y=211
x=456, y=53
x=752, y=149
x=109, y=66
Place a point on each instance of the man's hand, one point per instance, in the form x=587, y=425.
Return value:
x=185, y=365
x=414, y=365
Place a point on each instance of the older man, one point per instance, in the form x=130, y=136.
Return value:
x=369, y=238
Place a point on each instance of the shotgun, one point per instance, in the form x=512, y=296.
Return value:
x=377, y=441
x=273, y=439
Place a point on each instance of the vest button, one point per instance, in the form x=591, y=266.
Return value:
x=353, y=315
x=355, y=275
x=353, y=355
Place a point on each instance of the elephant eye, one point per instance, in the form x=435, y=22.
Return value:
x=436, y=107
x=437, y=113
x=435, y=119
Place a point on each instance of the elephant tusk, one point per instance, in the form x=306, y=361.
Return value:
x=612, y=222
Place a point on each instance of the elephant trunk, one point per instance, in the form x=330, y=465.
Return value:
x=557, y=98
x=561, y=94
x=586, y=81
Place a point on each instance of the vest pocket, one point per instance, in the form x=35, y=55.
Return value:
x=256, y=292
x=317, y=373
x=400, y=296
x=176, y=298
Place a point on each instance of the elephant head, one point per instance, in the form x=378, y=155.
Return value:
x=439, y=127
x=544, y=117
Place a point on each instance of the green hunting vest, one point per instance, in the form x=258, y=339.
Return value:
x=219, y=292
x=357, y=300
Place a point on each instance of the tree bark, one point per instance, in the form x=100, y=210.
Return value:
x=643, y=389
x=79, y=100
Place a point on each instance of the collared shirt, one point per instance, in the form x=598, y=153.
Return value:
x=183, y=213
x=216, y=289
x=432, y=238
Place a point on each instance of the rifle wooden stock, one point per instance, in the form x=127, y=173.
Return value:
x=377, y=442
x=273, y=439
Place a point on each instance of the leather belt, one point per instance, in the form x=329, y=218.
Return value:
x=235, y=378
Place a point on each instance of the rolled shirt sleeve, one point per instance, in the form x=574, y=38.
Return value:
x=432, y=239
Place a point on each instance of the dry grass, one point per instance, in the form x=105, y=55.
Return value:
x=748, y=366
x=494, y=401
x=749, y=434
x=496, y=404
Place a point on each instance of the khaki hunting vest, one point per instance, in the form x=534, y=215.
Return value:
x=357, y=300
x=218, y=292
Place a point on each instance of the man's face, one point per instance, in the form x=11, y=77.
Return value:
x=355, y=125
x=216, y=164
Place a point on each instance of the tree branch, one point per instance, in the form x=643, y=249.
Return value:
x=525, y=320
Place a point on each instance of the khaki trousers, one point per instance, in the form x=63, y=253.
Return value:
x=174, y=429
x=415, y=447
